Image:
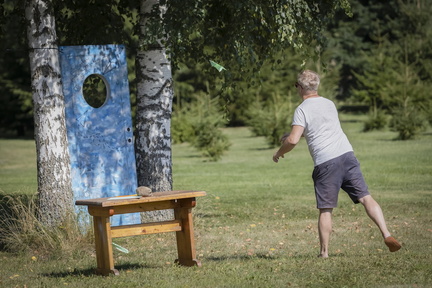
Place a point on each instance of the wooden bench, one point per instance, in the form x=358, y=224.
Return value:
x=103, y=208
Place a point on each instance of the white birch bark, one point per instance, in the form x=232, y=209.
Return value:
x=55, y=198
x=154, y=106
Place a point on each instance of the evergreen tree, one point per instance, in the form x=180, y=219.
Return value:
x=387, y=60
x=16, y=110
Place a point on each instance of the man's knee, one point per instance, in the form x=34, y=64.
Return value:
x=366, y=200
x=325, y=210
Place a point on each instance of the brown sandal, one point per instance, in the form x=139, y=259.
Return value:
x=392, y=244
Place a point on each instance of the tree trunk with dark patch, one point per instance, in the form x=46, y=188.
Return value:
x=55, y=198
x=154, y=106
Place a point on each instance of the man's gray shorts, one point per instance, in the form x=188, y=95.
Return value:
x=341, y=172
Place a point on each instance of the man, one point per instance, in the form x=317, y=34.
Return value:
x=336, y=167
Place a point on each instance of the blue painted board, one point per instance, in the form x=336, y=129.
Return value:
x=100, y=139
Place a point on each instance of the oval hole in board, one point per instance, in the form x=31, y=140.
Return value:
x=95, y=90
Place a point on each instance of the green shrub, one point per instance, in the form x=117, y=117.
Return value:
x=408, y=122
x=428, y=108
x=271, y=119
x=181, y=126
x=210, y=140
x=199, y=123
x=375, y=121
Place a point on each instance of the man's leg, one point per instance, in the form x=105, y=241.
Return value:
x=324, y=230
x=374, y=212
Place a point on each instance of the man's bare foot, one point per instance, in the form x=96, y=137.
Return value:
x=323, y=255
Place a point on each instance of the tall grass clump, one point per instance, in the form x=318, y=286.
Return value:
x=22, y=232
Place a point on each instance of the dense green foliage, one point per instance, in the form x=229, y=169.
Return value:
x=380, y=57
x=386, y=61
x=244, y=34
x=16, y=110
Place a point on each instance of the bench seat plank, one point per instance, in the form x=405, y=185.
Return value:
x=156, y=196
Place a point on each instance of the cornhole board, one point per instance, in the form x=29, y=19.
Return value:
x=100, y=140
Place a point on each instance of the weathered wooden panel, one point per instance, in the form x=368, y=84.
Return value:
x=100, y=139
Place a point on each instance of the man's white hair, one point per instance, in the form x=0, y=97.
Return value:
x=309, y=80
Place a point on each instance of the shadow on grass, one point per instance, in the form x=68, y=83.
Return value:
x=260, y=256
x=263, y=148
x=263, y=256
x=90, y=272
x=209, y=215
x=241, y=257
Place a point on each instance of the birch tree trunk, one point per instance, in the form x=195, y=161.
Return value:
x=55, y=198
x=154, y=106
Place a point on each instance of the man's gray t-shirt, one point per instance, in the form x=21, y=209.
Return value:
x=322, y=129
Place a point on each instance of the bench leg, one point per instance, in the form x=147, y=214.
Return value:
x=185, y=237
x=103, y=243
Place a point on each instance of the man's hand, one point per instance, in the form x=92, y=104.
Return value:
x=276, y=157
x=289, y=141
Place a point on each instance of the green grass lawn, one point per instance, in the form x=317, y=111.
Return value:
x=257, y=225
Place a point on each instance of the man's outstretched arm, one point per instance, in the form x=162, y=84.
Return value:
x=289, y=141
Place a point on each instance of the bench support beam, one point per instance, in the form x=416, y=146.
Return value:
x=185, y=237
